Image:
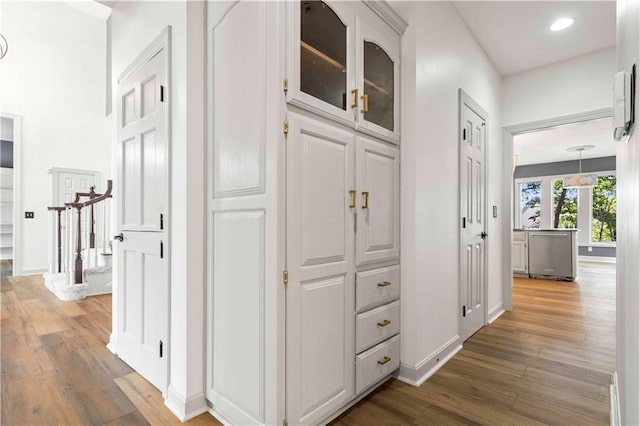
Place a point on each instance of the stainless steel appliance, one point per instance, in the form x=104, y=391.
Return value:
x=553, y=253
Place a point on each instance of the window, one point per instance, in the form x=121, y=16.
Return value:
x=565, y=206
x=603, y=212
x=530, y=205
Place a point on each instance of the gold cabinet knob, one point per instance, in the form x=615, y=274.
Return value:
x=384, y=323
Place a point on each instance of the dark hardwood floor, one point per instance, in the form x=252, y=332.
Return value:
x=549, y=361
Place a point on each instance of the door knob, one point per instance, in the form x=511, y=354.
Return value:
x=483, y=235
x=119, y=237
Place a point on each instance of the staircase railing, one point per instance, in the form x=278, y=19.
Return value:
x=84, y=223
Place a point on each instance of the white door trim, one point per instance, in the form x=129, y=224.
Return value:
x=465, y=99
x=161, y=43
x=507, y=192
x=17, y=188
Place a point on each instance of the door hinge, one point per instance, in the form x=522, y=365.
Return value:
x=161, y=93
x=285, y=127
x=161, y=250
x=464, y=222
x=285, y=276
x=161, y=344
x=161, y=221
x=464, y=311
x=464, y=134
x=285, y=84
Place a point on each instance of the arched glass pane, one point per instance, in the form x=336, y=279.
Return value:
x=323, y=53
x=378, y=85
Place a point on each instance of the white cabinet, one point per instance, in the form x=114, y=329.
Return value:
x=303, y=207
x=520, y=253
x=378, y=183
x=343, y=63
x=320, y=297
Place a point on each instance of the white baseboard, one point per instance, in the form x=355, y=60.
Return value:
x=495, y=313
x=30, y=272
x=614, y=415
x=417, y=375
x=185, y=409
x=600, y=259
x=113, y=345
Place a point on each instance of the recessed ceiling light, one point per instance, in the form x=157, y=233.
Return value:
x=561, y=24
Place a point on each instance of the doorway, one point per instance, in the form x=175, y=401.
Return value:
x=546, y=219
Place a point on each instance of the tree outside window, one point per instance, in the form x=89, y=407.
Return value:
x=530, y=205
x=603, y=228
x=565, y=206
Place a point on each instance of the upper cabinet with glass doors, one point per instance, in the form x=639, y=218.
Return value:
x=343, y=64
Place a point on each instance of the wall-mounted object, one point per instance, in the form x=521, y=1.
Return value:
x=495, y=211
x=623, y=103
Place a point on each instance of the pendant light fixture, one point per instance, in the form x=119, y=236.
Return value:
x=580, y=180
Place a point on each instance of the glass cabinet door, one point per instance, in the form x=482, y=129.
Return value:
x=378, y=80
x=320, y=54
x=378, y=86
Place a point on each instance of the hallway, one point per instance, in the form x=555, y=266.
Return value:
x=549, y=361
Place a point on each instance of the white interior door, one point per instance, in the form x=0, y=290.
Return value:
x=473, y=216
x=320, y=292
x=378, y=202
x=141, y=196
x=69, y=182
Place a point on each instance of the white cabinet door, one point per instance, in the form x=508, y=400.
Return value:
x=320, y=58
x=519, y=257
x=378, y=79
x=320, y=292
x=378, y=202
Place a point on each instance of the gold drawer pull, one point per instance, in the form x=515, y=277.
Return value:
x=384, y=284
x=384, y=360
x=384, y=323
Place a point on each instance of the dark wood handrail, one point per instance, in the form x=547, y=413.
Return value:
x=93, y=199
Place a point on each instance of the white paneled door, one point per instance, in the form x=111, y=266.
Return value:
x=473, y=217
x=141, y=194
x=378, y=201
x=320, y=293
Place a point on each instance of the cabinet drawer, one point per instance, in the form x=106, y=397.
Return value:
x=376, y=325
x=377, y=287
x=377, y=362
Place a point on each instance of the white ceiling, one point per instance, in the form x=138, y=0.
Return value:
x=516, y=34
x=548, y=146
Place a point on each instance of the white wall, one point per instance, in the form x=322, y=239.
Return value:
x=440, y=55
x=577, y=85
x=53, y=76
x=628, y=251
x=134, y=26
